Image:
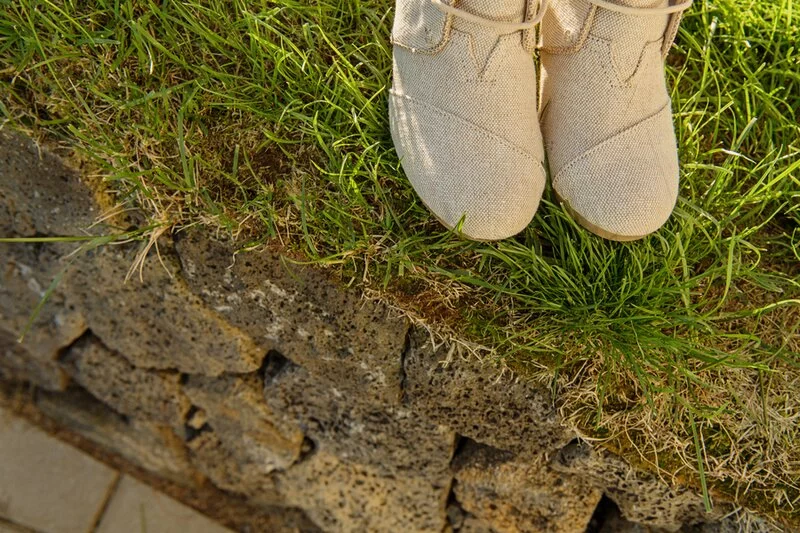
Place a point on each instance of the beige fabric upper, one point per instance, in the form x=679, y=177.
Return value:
x=464, y=117
x=606, y=114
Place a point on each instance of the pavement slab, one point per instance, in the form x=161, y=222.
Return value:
x=45, y=484
x=135, y=507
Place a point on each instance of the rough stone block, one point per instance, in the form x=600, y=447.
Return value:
x=394, y=440
x=461, y=521
x=157, y=322
x=39, y=195
x=741, y=522
x=153, y=447
x=512, y=495
x=297, y=311
x=476, y=401
x=18, y=364
x=472, y=524
x=236, y=474
x=235, y=409
x=642, y=498
x=148, y=395
x=26, y=271
x=347, y=497
x=737, y=523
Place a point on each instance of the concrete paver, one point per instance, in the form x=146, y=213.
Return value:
x=13, y=528
x=45, y=484
x=135, y=507
x=8, y=527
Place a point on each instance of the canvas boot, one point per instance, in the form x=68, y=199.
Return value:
x=463, y=111
x=606, y=113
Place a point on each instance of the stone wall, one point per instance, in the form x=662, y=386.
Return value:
x=263, y=378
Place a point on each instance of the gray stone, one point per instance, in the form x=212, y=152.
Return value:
x=393, y=440
x=642, y=498
x=354, y=344
x=153, y=447
x=512, y=495
x=235, y=409
x=155, y=323
x=18, y=364
x=344, y=497
x=235, y=474
x=149, y=395
x=478, y=402
x=26, y=272
x=39, y=195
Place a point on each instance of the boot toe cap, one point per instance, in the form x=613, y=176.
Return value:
x=626, y=187
x=464, y=172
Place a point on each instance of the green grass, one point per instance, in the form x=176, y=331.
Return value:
x=268, y=120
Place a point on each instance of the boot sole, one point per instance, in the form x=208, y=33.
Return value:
x=594, y=228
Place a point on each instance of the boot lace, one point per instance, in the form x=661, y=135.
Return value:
x=511, y=27
x=505, y=27
x=642, y=11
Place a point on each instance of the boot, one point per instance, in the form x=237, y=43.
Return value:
x=606, y=114
x=463, y=111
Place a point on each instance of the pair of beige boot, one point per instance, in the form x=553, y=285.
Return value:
x=472, y=137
